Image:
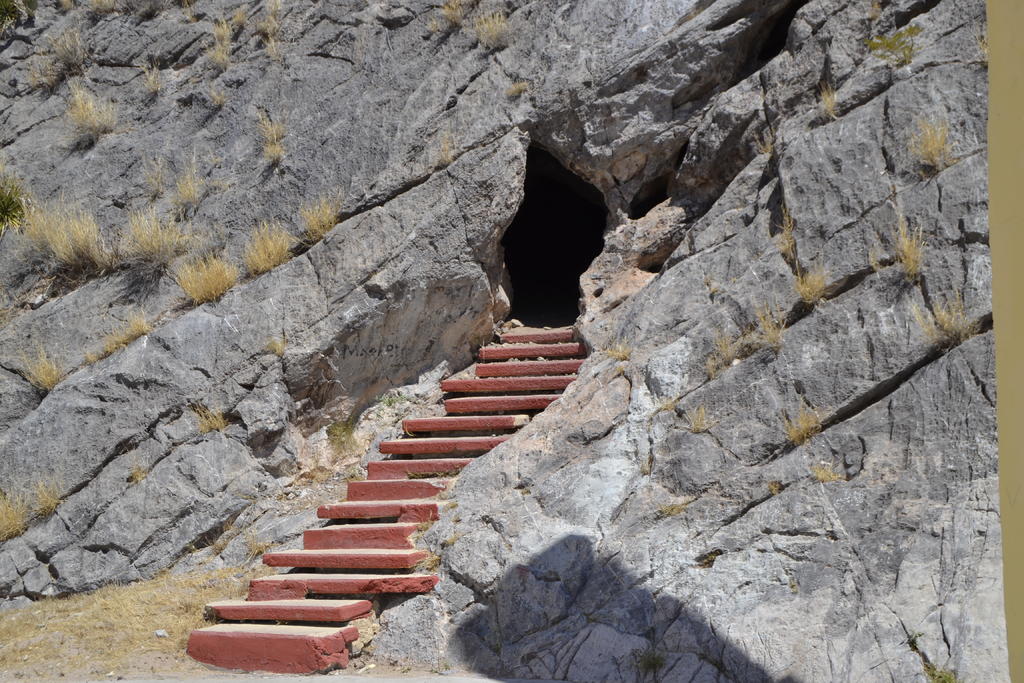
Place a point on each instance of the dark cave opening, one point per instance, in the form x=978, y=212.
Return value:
x=775, y=42
x=554, y=237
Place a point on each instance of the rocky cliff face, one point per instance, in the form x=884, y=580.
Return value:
x=770, y=179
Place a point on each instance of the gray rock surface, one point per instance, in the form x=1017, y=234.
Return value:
x=608, y=540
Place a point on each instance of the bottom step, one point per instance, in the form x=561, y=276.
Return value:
x=278, y=649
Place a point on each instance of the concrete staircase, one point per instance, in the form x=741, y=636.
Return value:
x=298, y=622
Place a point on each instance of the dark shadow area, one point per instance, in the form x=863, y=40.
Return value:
x=775, y=42
x=569, y=614
x=554, y=237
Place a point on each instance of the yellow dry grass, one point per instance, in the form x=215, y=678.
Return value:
x=154, y=175
x=272, y=134
x=239, y=18
x=138, y=472
x=771, y=323
x=672, y=509
x=319, y=217
x=930, y=145
x=828, y=100
x=210, y=420
x=67, y=55
x=775, y=487
x=219, y=53
x=805, y=425
x=277, y=345
x=68, y=235
x=909, y=249
x=492, y=30
x=429, y=563
x=948, y=325
x=825, y=474
x=103, y=6
x=765, y=143
x=619, y=351
x=218, y=98
x=14, y=512
x=136, y=326
x=811, y=285
x=42, y=371
x=90, y=117
x=151, y=80
x=153, y=241
x=47, y=498
x=255, y=546
x=188, y=189
x=269, y=247
x=268, y=27
x=454, y=11
x=697, y=420
x=206, y=279
x=112, y=628
x=785, y=240
x=517, y=88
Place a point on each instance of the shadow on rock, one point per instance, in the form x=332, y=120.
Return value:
x=571, y=614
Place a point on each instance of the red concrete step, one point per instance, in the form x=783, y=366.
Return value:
x=483, y=423
x=418, y=510
x=279, y=649
x=505, y=351
x=377, y=558
x=291, y=610
x=394, y=489
x=401, y=469
x=452, y=444
x=561, y=334
x=550, y=383
x=298, y=586
x=359, y=536
x=484, y=404
x=528, y=368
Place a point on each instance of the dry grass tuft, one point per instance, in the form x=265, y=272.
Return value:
x=154, y=174
x=452, y=540
x=811, y=285
x=138, y=472
x=90, y=117
x=931, y=147
x=103, y=6
x=785, y=240
x=492, y=30
x=269, y=247
x=775, y=487
x=517, y=88
x=672, y=509
x=771, y=323
x=828, y=100
x=909, y=249
x=47, y=495
x=726, y=350
x=277, y=346
x=150, y=240
x=765, y=142
x=948, y=325
x=14, y=512
x=319, y=217
x=982, y=41
x=826, y=474
x=67, y=55
x=619, y=351
x=341, y=436
x=136, y=326
x=66, y=5
x=43, y=372
x=666, y=405
x=151, y=79
x=806, y=424
x=219, y=53
x=255, y=547
x=239, y=18
x=112, y=627
x=210, y=420
x=206, y=279
x=697, y=420
x=188, y=190
x=272, y=133
x=218, y=98
x=429, y=563
x=68, y=235
x=269, y=26
x=454, y=11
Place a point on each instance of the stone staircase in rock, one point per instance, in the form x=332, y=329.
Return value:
x=299, y=622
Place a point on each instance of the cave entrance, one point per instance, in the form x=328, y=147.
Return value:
x=554, y=237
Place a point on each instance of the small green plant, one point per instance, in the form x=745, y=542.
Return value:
x=14, y=513
x=803, y=426
x=13, y=199
x=909, y=249
x=938, y=675
x=392, y=400
x=492, y=30
x=206, y=279
x=898, y=48
x=269, y=247
x=811, y=285
x=930, y=145
x=650, y=661
x=11, y=12
x=825, y=474
x=210, y=419
x=948, y=325
x=42, y=371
